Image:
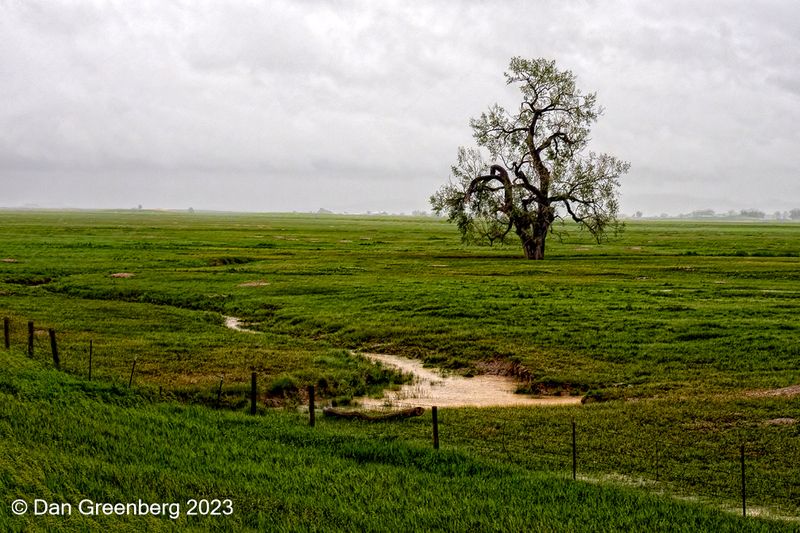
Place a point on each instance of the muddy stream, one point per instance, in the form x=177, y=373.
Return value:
x=430, y=387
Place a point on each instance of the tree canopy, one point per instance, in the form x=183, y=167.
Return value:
x=538, y=169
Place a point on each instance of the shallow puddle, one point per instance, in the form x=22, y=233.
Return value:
x=430, y=388
x=231, y=322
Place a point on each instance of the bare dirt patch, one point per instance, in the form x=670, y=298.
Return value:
x=785, y=421
x=430, y=387
x=122, y=275
x=790, y=391
x=257, y=283
x=8, y=260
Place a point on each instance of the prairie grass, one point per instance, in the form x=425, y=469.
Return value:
x=66, y=439
x=669, y=330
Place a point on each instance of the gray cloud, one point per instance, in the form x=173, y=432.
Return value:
x=361, y=105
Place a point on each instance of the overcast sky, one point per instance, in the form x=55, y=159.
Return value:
x=357, y=106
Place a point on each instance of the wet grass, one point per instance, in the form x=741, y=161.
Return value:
x=67, y=439
x=668, y=306
x=668, y=328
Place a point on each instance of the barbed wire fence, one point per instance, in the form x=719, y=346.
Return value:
x=745, y=473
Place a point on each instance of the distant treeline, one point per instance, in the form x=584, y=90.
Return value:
x=793, y=214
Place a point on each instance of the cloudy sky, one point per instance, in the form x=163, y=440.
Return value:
x=357, y=106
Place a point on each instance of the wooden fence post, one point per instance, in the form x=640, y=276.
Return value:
x=658, y=465
x=574, y=454
x=133, y=369
x=253, y=392
x=744, y=498
x=435, y=415
x=54, y=348
x=7, y=333
x=30, y=338
x=219, y=391
x=311, y=413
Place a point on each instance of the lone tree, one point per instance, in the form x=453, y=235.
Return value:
x=538, y=171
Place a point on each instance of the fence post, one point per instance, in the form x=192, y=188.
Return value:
x=435, y=414
x=90, y=359
x=54, y=348
x=6, y=333
x=219, y=391
x=311, y=412
x=133, y=369
x=574, y=454
x=744, y=498
x=657, y=463
x=253, y=392
x=30, y=338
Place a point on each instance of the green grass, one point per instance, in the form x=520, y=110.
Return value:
x=67, y=439
x=668, y=306
x=670, y=326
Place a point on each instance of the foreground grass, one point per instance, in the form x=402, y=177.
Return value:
x=66, y=439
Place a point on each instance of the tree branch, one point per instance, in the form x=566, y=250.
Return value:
x=555, y=137
x=575, y=217
x=526, y=183
x=496, y=172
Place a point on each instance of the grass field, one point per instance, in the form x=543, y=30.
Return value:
x=68, y=440
x=669, y=328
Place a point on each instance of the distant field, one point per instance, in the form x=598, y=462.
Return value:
x=671, y=327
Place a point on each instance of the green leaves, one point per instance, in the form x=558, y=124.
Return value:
x=541, y=146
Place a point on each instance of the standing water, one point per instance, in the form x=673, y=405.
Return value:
x=429, y=387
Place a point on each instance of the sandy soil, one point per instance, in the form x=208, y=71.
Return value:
x=431, y=388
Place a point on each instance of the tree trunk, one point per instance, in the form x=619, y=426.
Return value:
x=533, y=240
x=532, y=249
